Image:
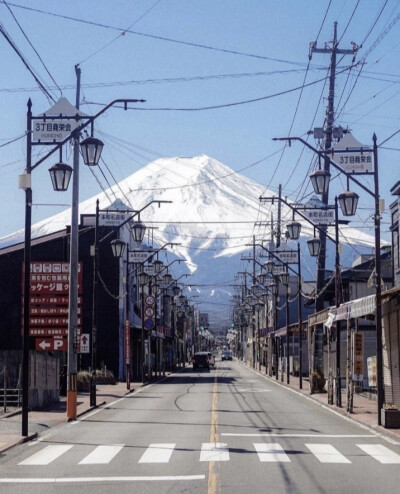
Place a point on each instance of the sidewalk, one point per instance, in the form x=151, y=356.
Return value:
x=40, y=420
x=365, y=411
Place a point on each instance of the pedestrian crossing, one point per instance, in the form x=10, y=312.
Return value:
x=266, y=452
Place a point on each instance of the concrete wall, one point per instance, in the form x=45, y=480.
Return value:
x=44, y=372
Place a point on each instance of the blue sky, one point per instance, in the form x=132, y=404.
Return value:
x=183, y=57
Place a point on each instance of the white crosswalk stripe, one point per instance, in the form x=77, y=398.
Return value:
x=47, y=454
x=158, y=453
x=102, y=455
x=210, y=452
x=380, y=453
x=326, y=453
x=271, y=452
x=214, y=452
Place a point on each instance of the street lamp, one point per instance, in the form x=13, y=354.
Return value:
x=118, y=247
x=348, y=202
x=314, y=246
x=60, y=175
x=293, y=228
x=91, y=149
x=320, y=181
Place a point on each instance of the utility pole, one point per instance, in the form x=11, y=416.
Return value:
x=333, y=50
x=72, y=364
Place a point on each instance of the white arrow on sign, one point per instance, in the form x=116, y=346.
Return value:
x=44, y=345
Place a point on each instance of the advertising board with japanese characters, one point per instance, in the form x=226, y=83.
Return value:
x=49, y=299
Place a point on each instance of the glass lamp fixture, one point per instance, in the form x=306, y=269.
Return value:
x=284, y=278
x=118, y=247
x=158, y=265
x=138, y=230
x=60, y=175
x=91, y=149
x=269, y=266
x=348, y=202
x=314, y=246
x=320, y=181
x=293, y=229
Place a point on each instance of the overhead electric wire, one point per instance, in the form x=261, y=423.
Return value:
x=31, y=45
x=161, y=38
x=122, y=33
x=22, y=58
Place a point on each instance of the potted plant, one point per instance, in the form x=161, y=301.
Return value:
x=390, y=416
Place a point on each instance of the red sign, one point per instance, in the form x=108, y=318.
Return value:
x=49, y=298
x=127, y=342
x=51, y=344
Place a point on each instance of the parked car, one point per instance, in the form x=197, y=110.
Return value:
x=201, y=360
x=226, y=355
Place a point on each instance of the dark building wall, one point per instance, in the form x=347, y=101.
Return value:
x=56, y=248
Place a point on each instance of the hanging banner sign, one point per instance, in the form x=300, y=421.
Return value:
x=358, y=356
x=287, y=256
x=352, y=156
x=57, y=123
x=112, y=219
x=320, y=216
x=139, y=256
x=150, y=270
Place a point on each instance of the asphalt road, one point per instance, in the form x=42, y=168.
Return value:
x=229, y=430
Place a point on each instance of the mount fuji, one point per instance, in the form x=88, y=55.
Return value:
x=212, y=216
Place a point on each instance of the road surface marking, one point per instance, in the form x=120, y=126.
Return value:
x=326, y=453
x=272, y=434
x=72, y=480
x=214, y=452
x=101, y=455
x=272, y=452
x=380, y=453
x=214, y=482
x=158, y=453
x=47, y=455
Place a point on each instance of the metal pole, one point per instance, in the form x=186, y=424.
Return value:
x=127, y=326
x=338, y=299
x=300, y=314
x=142, y=318
x=378, y=287
x=27, y=272
x=73, y=283
x=287, y=335
x=94, y=309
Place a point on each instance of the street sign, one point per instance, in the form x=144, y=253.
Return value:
x=150, y=270
x=83, y=343
x=352, y=156
x=319, y=216
x=56, y=124
x=113, y=219
x=288, y=256
x=149, y=300
x=149, y=312
x=51, y=344
x=139, y=256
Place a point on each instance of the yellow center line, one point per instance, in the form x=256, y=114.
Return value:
x=213, y=470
